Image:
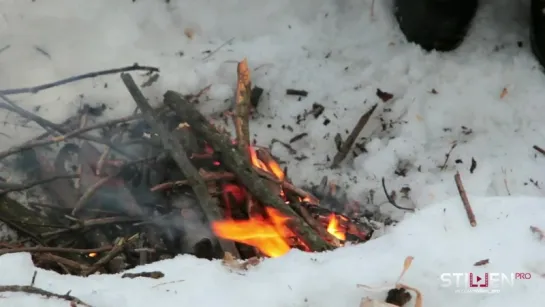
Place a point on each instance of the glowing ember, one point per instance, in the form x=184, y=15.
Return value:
x=334, y=229
x=268, y=236
x=92, y=255
x=271, y=166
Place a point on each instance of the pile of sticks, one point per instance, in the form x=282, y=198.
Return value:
x=112, y=212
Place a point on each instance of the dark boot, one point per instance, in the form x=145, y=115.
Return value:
x=537, y=30
x=435, y=24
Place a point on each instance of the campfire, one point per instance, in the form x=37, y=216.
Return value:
x=266, y=229
x=163, y=182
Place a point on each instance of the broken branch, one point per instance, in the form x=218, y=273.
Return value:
x=465, y=200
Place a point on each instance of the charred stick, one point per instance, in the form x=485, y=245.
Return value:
x=539, y=149
x=178, y=153
x=236, y=162
x=47, y=249
x=302, y=211
x=116, y=250
x=295, y=92
x=36, y=290
x=345, y=148
x=465, y=200
x=230, y=176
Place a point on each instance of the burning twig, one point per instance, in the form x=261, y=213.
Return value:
x=391, y=200
x=302, y=211
x=177, y=151
x=345, y=148
x=465, y=200
x=36, y=290
x=230, y=176
x=236, y=163
x=36, y=89
x=116, y=250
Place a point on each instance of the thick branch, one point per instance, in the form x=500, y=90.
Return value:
x=178, y=153
x=235, y=161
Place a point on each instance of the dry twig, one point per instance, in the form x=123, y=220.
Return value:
x=345, y=148
x=95, y=74
x=47, y=249
x=67, y=136
x=391, y=200
x=465, y=200
x=241, y=115
x=35, y=290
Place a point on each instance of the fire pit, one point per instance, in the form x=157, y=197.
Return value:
x=177, y=184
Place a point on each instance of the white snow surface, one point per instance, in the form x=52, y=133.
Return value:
x=341, y=53
x=439, y=238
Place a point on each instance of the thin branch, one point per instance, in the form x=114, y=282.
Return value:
x=218, y=48
x=116, y=250
x=351, y=139
x=391, y=200
x=65, y=137
x=89, y=193
x=93, y=222
x=178, y=154
x=35, y=290
x=47, y=249
x=12, y=106
x=465, y=200
x=36, y=89
x=16, y=187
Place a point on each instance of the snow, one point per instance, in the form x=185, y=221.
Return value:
x=341, y=53
x=336, y=51
x=438, y=237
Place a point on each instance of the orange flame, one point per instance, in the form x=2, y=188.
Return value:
x=269, y=235
x=271, y=167
x=334, y=228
